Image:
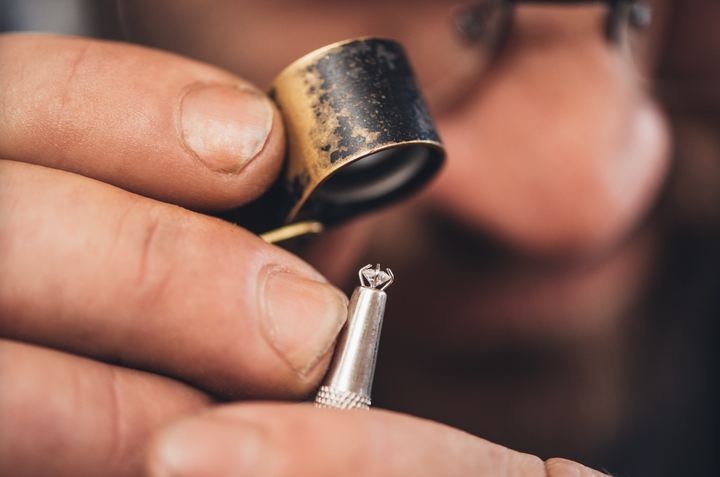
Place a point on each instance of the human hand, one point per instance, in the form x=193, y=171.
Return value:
x=119, y=311
x=289, y=440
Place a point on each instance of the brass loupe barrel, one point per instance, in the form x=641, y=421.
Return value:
x=359, y=134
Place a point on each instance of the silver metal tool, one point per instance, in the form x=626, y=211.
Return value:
x=349, y=380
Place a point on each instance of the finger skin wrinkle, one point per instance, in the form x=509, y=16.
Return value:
x=148, y=236
x=72, y=74
x=147, y=247
x=141, y=232
x=115, y=435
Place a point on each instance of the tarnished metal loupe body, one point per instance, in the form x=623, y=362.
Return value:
x=359, y=132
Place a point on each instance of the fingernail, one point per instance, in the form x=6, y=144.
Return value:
x=225, y=126
x=201, y=447
x=301, y=317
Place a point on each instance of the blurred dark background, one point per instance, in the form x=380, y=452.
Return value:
x=676, y=368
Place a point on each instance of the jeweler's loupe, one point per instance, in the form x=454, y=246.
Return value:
x=359, y=133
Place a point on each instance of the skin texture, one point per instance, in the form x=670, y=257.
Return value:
x=131, y=313
x=176, y=295
x=105, y=273
x=101, y=412
x=335, y=443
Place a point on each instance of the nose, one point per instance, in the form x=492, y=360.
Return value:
x=559, y=149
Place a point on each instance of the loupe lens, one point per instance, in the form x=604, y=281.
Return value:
x=374, y=176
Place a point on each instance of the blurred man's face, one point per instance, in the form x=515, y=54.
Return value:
x=532, y=234
x=555, y=150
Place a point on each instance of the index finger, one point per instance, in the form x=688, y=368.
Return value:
x=150, y=122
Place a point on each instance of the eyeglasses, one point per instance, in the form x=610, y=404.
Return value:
x=489, y=20
x=451, y=44
x=483, y=26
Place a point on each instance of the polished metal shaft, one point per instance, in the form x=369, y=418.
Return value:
x=349, y=380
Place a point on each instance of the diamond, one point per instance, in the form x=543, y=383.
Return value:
x=376, y=277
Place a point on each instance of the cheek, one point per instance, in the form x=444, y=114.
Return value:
x=556, y=152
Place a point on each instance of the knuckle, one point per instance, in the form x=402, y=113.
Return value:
x=154, y=242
